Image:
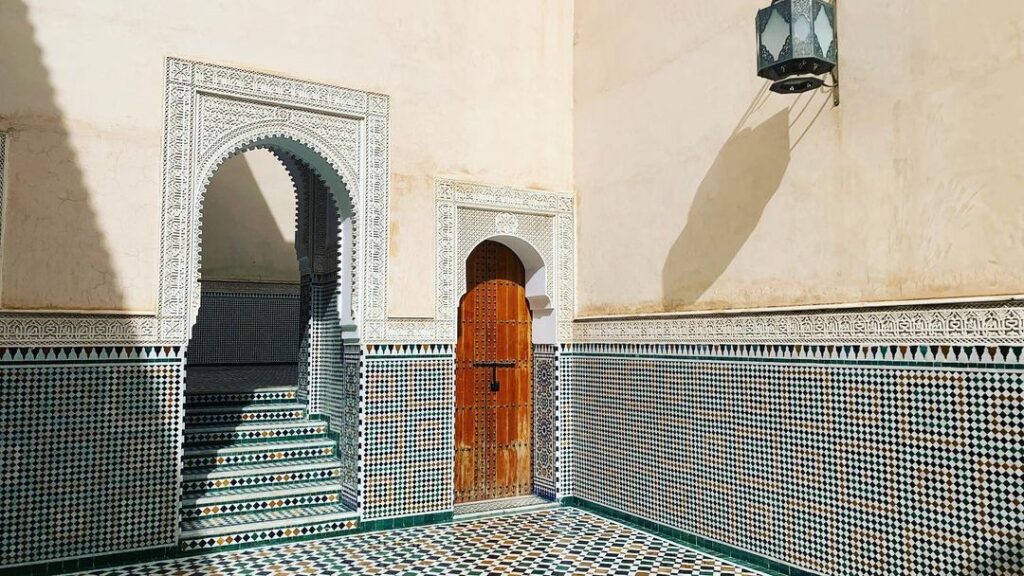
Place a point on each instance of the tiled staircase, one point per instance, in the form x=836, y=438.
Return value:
x=257, y=469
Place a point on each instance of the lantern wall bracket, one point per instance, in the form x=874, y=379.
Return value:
x=835, y=71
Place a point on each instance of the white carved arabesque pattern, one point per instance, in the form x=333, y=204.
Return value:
x=506, y=223
x=968, y=323
x=475, y=226
x=467, y=214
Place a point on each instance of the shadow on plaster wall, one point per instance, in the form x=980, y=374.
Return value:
x=55, y=253
x=243, y=239
x=730, y=200
x=93, y=460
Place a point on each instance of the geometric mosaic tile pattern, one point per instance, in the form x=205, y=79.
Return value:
x=349, y=422
x=848, y=460
x=408, y=420
x=246, y=323
x=325, y=374
x=565, y=461
x=242, y=378
x=88, y=450
x=558, y=542
x=333, y=380
x=545, y=406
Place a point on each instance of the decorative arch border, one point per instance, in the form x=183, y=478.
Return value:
x=213, y=112
x=210, y=113
x=467, y=214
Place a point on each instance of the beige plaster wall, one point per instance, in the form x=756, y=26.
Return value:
x=480, y=90
x=249, y=221
x=697, y=189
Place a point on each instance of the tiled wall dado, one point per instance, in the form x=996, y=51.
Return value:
x=90, y=445
x=545, y=419
x=845, y=458
x=407, y=449
x=246, y=323
x=408, y=424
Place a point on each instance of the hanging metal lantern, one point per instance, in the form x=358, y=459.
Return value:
x=796, y=42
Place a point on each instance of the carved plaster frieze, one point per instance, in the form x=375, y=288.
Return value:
x=998, y=322
x=467, y=214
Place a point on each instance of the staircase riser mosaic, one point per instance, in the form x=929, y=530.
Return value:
x=199, y=438
x=321, y=530
x=266, y=416
x=260, y=480
x=257, y=457
x=258, y=505
x=240, y=398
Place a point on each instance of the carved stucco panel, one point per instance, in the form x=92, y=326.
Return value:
x=468, y=213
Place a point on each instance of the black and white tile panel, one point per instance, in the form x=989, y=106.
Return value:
x=848, y=460
x=90, y=450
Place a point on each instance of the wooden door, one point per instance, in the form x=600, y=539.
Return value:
x=493, y=427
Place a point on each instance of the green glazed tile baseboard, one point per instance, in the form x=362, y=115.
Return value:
x=91, y=562
x=733, y=554
x=405, y=521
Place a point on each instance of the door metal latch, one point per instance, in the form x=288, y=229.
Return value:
x=494, y=365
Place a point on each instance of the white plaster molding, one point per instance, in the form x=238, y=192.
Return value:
x=3, y=196
x=466, y=215
x=210, y=113
x=995, y=322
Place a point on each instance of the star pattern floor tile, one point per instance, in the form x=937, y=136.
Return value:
x=565, y=541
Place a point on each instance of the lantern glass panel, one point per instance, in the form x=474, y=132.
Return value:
x=775, y=34
x=801, y=29
x=824, y=31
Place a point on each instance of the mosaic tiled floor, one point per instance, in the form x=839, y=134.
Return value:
x=565, y=541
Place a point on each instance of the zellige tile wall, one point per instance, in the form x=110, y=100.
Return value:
x=89, y=451
x=844, y=459
x=408, y=419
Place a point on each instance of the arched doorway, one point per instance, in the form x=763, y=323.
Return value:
x=271, y=428
x=493, y=407
x=248, y=332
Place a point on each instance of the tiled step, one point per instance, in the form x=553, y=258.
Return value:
x=259, y=498
x=264, y=395
x=214, y=532
x=262, y=452
x=224, y=435
x=233, y=414
x=225, y=477
x=228, y=523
